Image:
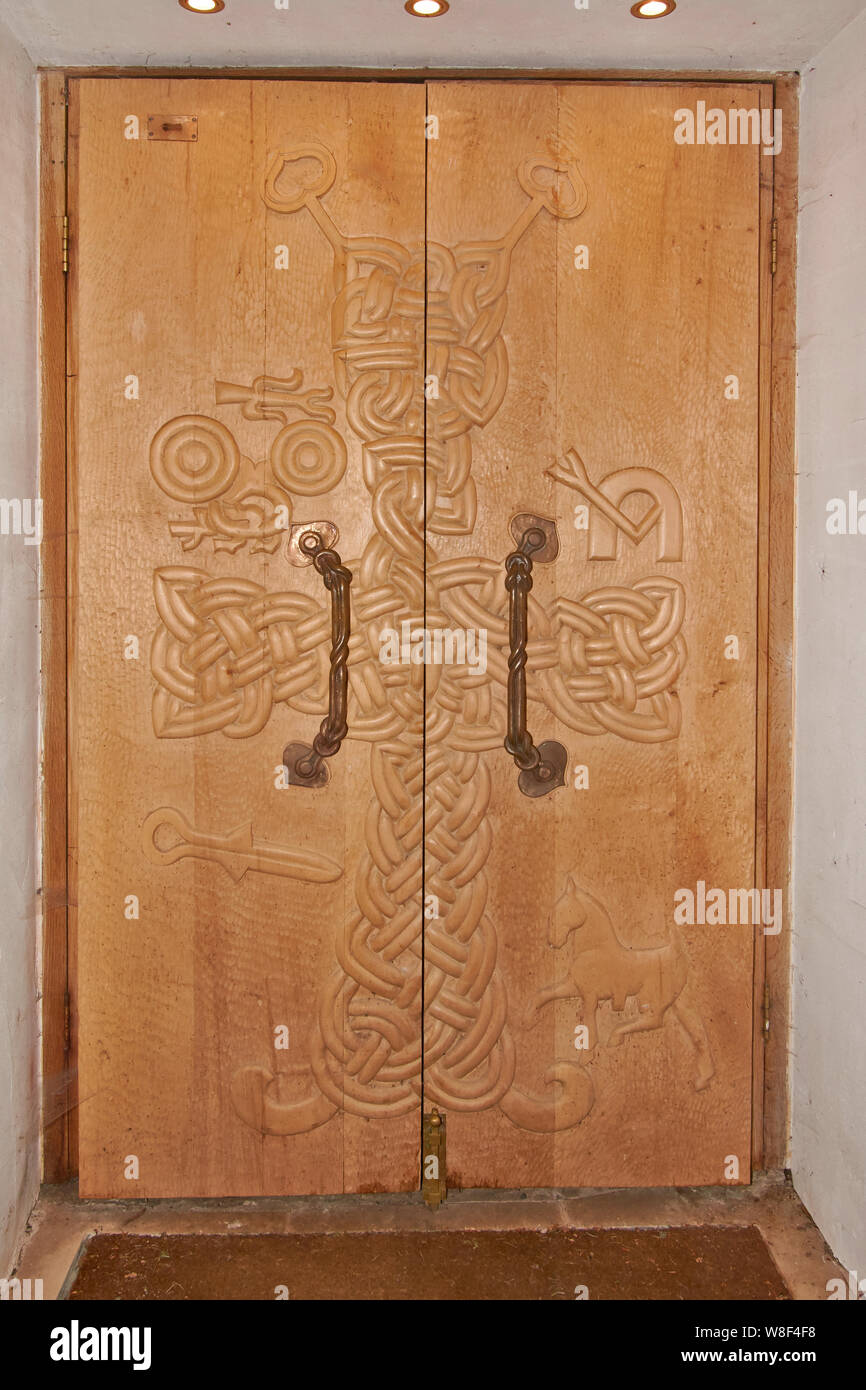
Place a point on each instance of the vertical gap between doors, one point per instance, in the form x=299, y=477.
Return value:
x=424, y=669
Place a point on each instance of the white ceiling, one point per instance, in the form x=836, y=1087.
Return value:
x=764, y=35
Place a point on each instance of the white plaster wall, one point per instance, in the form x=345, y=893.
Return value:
x=829, y=1014
x=768, y=35
x=19, y=654
x=829, y=1038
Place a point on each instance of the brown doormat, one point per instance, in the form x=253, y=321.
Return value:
x=688, y=1262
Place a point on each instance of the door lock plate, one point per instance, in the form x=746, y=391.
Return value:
x=172, y=127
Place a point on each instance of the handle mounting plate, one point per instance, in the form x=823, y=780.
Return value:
x=550, y=773
x=526, y=521
x=326, y=531
x=297, y=753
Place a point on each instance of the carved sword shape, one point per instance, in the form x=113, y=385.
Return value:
x=236, y=850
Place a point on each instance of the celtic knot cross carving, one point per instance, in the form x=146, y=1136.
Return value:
x=226, y=650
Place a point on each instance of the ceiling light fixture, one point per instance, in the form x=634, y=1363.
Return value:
x=202, y=6
x=653, y=9
x=426, y=9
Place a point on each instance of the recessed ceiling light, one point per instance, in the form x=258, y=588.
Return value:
x=202, y=6
x=426, y=9
x=653, y=9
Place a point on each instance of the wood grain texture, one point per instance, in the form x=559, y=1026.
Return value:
x=409, y=76
x=72, y=591
x=782, y=522
x=178, y=1008
x=765, y=302
x=52, y=350
x=626, y=363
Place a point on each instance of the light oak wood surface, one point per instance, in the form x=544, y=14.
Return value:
x=625, y=362
x=450, y=258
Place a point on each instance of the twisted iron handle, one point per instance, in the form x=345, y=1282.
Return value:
x=305, y=765
x=542, y=767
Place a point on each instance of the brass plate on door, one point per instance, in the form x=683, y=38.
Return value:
x=433, y=1176
x=327, y=532
x=172, y=127
x=541, y=555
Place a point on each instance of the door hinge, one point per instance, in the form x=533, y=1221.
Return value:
x=65, y=244
x=433, y=1187
x=765, y=1014
x=774, y=245
x=67, y=1023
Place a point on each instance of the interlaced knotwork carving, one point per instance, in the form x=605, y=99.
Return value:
x=608, y=663
x=226, y=650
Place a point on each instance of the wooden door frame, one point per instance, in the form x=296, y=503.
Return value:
x=775, y=620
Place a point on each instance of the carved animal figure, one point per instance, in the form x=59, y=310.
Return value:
x=602, y=967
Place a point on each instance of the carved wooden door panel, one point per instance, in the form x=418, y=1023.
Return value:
x=592, y=359
x=242, y=357
x=270, y=339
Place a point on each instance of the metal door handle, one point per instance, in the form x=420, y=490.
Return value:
x=305, y=765
x=542, y=767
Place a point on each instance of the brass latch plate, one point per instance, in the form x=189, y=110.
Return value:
x=172, y=127
x=433, y=1187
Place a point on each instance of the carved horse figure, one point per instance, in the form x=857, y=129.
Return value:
x=601, y=967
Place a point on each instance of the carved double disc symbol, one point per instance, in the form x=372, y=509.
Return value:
x=308, y=457
x=194, y=459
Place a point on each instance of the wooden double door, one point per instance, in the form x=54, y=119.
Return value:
x=416, y=320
